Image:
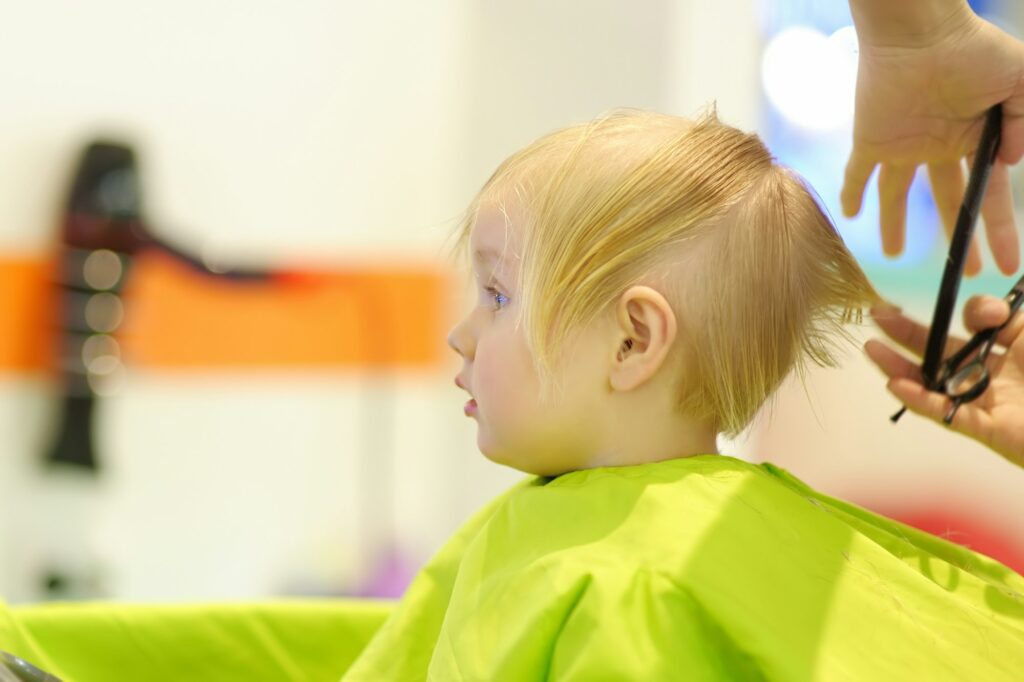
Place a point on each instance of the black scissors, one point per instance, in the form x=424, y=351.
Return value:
x=961, y=377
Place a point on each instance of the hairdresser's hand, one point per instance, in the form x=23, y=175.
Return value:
x=996, y=418
x=921, y=99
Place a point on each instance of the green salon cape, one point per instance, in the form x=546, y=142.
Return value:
x=705, y=568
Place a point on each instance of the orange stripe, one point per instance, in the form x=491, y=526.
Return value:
x=178, y=318
x=26, y=308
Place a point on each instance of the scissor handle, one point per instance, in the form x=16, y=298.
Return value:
x=1014, y=299
x=977, y=365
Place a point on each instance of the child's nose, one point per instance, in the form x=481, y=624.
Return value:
x=460, y=340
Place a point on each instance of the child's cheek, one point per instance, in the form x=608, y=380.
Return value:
x=502, y=381
x=491, y=388
x=490, y=380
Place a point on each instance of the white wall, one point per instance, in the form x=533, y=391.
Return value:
x=268, y=129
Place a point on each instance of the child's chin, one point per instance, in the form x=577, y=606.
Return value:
x=488, y=451
x=522, y=464
x=499, y=456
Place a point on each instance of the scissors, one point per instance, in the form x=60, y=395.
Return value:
x=14, y=669
x=963, y=379
x=959, y=376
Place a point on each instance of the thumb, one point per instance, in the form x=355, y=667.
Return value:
x=984, y=312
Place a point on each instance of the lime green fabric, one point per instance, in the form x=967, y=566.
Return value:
x=705, y=568
x=276, y=640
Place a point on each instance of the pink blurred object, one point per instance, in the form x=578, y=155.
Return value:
x=391, y=576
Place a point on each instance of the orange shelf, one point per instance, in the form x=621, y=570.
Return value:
x=176, y=317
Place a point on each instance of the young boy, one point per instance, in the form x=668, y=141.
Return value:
x=646, y=283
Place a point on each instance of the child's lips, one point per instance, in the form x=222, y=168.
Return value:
x=470, y=408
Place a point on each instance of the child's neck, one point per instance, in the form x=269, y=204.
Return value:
x=635, y=434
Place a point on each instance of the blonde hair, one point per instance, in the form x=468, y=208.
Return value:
x=756, y=274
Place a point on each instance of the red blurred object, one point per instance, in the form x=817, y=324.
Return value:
x=971, y=533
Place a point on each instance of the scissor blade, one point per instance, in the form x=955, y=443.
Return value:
x=961, y=242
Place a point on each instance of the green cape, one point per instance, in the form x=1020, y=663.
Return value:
x=707, y=567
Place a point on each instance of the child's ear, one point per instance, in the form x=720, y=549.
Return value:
x=645, y=330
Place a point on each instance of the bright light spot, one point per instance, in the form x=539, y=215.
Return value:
x=108, y=383
x=97, y=347
x=103, y=313
x=102, y=269
x=105, y=364
x=810, y=78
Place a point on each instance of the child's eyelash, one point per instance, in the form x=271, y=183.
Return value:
x=497, y=296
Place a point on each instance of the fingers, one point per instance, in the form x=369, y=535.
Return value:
x=901, y=329
x=905, y=376
x=969, y=420
x=858, y=172
x=893, y=184
x=906, y=332
x=997, y=210
x=947, y=181
x=1011, y=148
x=892, y=364
x=983, y=312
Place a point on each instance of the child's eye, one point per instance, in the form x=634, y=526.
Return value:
x=499, y=299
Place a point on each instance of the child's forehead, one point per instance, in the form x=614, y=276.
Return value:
x=495, y=236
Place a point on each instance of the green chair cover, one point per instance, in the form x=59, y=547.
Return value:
x=275, y=640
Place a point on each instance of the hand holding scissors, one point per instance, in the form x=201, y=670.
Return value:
x=993, y=384
x=964, y=378
x=994, y=417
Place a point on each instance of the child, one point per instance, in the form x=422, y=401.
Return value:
x=645, y=284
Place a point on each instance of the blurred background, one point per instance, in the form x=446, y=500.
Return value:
x=223, y=368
